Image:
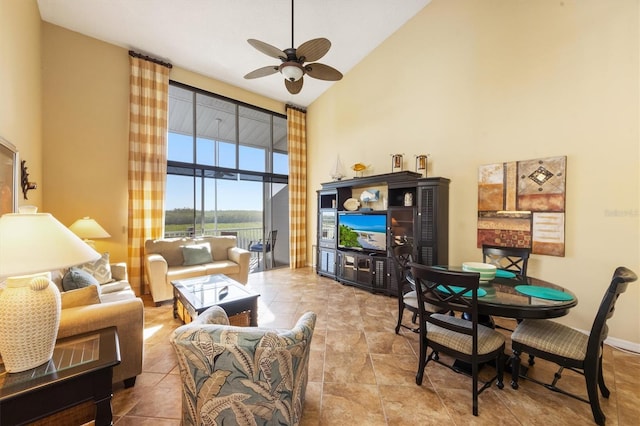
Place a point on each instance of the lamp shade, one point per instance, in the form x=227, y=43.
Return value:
x=88, y=228
x=38, y=242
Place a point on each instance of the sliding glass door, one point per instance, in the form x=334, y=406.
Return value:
x=231, y=175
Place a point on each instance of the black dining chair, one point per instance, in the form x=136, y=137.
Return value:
x=571, y=349
x=514, y=259
x=464, y=340
x=402, y=256
x=265, y=246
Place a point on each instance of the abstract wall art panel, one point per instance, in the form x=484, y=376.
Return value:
x=522, y=204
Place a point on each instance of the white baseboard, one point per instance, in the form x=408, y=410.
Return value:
x=618, y=343
x=623, y=344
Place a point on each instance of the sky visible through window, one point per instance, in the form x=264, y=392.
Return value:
x=232, y=195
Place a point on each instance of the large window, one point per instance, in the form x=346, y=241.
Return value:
x=227, y=169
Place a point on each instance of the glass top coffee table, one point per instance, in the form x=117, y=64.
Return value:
x=192, y=296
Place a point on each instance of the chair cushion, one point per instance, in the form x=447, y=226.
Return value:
x=226, y=267
x=489, y=340
x=213, y=315
x=259, y=247
x=79, y=297
x=411, y=299
x=552, y=337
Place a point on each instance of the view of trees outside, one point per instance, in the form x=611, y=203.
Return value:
x=228, y=205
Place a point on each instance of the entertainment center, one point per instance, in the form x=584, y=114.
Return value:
x=400, y=207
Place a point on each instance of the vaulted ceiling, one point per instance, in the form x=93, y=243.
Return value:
x=210, y=36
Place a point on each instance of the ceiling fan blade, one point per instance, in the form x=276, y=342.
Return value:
x=322, y=72
x=294, y=87
x=313, y=50
x=262, y=72
x=267, y=49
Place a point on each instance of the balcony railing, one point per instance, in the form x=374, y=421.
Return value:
x=244, y=235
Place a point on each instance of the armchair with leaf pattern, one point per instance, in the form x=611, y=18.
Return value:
x=242, y=375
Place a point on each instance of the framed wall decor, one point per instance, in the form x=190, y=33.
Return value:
x=8, y=177
x=522, y=204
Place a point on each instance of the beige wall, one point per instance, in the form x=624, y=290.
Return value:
x=468, y=82
x=475, y=83
x=86, y=129
x=85, y=132
x=20, y=87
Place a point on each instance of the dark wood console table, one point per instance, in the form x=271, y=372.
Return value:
x=80, y=370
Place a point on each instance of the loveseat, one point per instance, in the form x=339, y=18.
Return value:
x=242, y=375
x=172, y=259
x=110, y=303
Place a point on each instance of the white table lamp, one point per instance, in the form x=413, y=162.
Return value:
x=33, y=243
x=88, y=229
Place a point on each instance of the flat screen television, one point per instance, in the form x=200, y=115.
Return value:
x=363, y=231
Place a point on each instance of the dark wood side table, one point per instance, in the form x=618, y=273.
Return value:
x=80, y=370
x=192, y=296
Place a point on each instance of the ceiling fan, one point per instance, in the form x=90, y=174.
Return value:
x=293, y=60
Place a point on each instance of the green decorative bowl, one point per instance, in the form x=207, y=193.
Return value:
x=487, y=271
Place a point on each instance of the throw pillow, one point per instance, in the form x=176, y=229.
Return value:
x=196, y=254
x=78, y=278
x=100, y=269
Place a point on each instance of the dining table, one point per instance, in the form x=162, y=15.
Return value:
x=511, y=295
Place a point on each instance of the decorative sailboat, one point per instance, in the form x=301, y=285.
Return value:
x=337, y=172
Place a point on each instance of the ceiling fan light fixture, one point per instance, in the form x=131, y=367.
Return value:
x=292, y=71
x=292, y=60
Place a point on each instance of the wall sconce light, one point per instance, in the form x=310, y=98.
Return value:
x=26, y=185
x=421, y=164
x=396, y=162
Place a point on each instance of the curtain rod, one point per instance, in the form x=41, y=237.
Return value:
x=297, y=108
x=150, y=59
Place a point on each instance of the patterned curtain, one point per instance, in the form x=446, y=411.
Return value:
x=297, y=137
x=148, y=109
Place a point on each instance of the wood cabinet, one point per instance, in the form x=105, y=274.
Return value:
x=328, y=201
x=368, y=271
x=417, y=211
x=433, y=221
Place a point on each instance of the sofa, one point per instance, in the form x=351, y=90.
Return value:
x=110, y=303
x=172, y=259
x=242, y=375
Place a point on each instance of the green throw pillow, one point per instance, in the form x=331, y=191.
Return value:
x=197, y=254
x=77, y=278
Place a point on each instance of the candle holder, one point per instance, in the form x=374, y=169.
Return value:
x=396, y=162
x=421, y=164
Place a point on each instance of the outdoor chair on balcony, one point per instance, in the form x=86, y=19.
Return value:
x=264, y=246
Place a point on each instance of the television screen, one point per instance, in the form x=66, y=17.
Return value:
x=362, y=231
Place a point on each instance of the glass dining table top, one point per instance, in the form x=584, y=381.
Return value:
x=516, y=296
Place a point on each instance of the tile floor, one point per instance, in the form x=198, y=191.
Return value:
x=361, y=373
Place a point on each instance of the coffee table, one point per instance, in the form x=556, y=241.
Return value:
x=192, y=296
